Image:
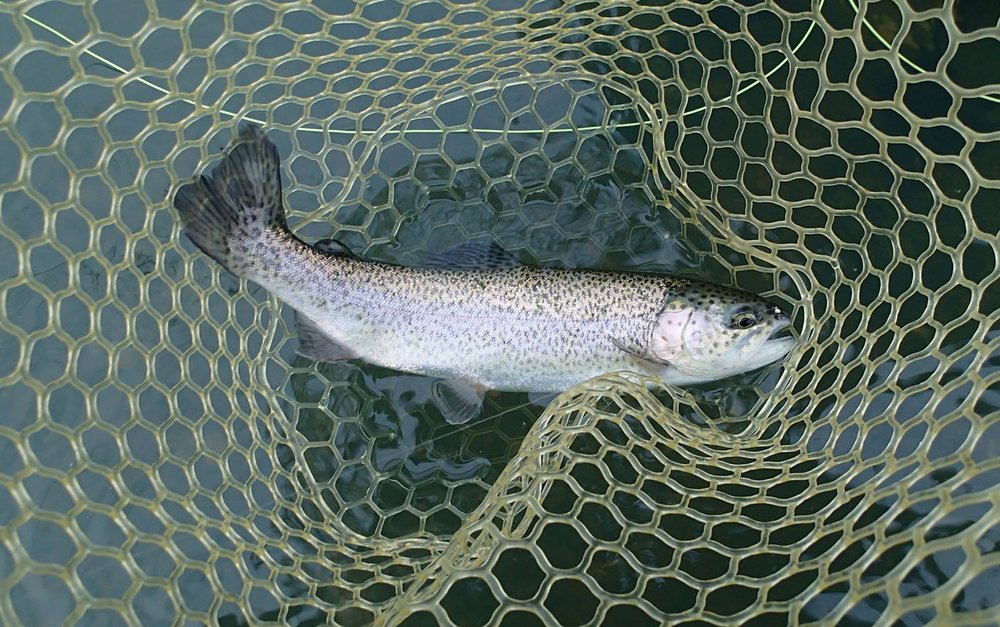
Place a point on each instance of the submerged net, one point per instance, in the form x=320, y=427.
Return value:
x=166, y=457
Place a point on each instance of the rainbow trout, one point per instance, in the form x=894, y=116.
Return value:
x=499, y=325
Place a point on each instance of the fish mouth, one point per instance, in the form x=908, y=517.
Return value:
x=781, y=333
x=781, y=338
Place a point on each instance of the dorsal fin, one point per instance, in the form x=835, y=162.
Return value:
x=480, y=255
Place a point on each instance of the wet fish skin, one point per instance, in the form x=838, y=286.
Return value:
x=506, y=328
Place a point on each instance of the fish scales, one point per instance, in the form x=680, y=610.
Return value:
x=520, y=328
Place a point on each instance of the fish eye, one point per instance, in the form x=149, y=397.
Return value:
x=744, y=320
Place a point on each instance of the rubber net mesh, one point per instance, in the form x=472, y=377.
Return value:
x=166, y=457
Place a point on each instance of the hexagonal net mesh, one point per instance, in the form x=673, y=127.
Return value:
x=167, y=457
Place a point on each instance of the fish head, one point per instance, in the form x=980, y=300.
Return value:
x=709, y=332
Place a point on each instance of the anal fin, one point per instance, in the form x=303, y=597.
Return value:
x=317, y=345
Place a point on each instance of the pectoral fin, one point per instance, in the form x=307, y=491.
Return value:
x=459, y=400
x=650, y=363
x=317, y=345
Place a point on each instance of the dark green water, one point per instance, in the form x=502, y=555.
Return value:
x=417, y=195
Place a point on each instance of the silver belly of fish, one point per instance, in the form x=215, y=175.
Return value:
x=515, y=329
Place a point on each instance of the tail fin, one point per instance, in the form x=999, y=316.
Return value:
x=237, y=204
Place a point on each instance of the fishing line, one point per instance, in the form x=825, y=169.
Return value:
x=753, y=82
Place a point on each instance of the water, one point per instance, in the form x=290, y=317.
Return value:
x=169, y=409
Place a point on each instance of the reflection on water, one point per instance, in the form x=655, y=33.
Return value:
x=382, y=438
